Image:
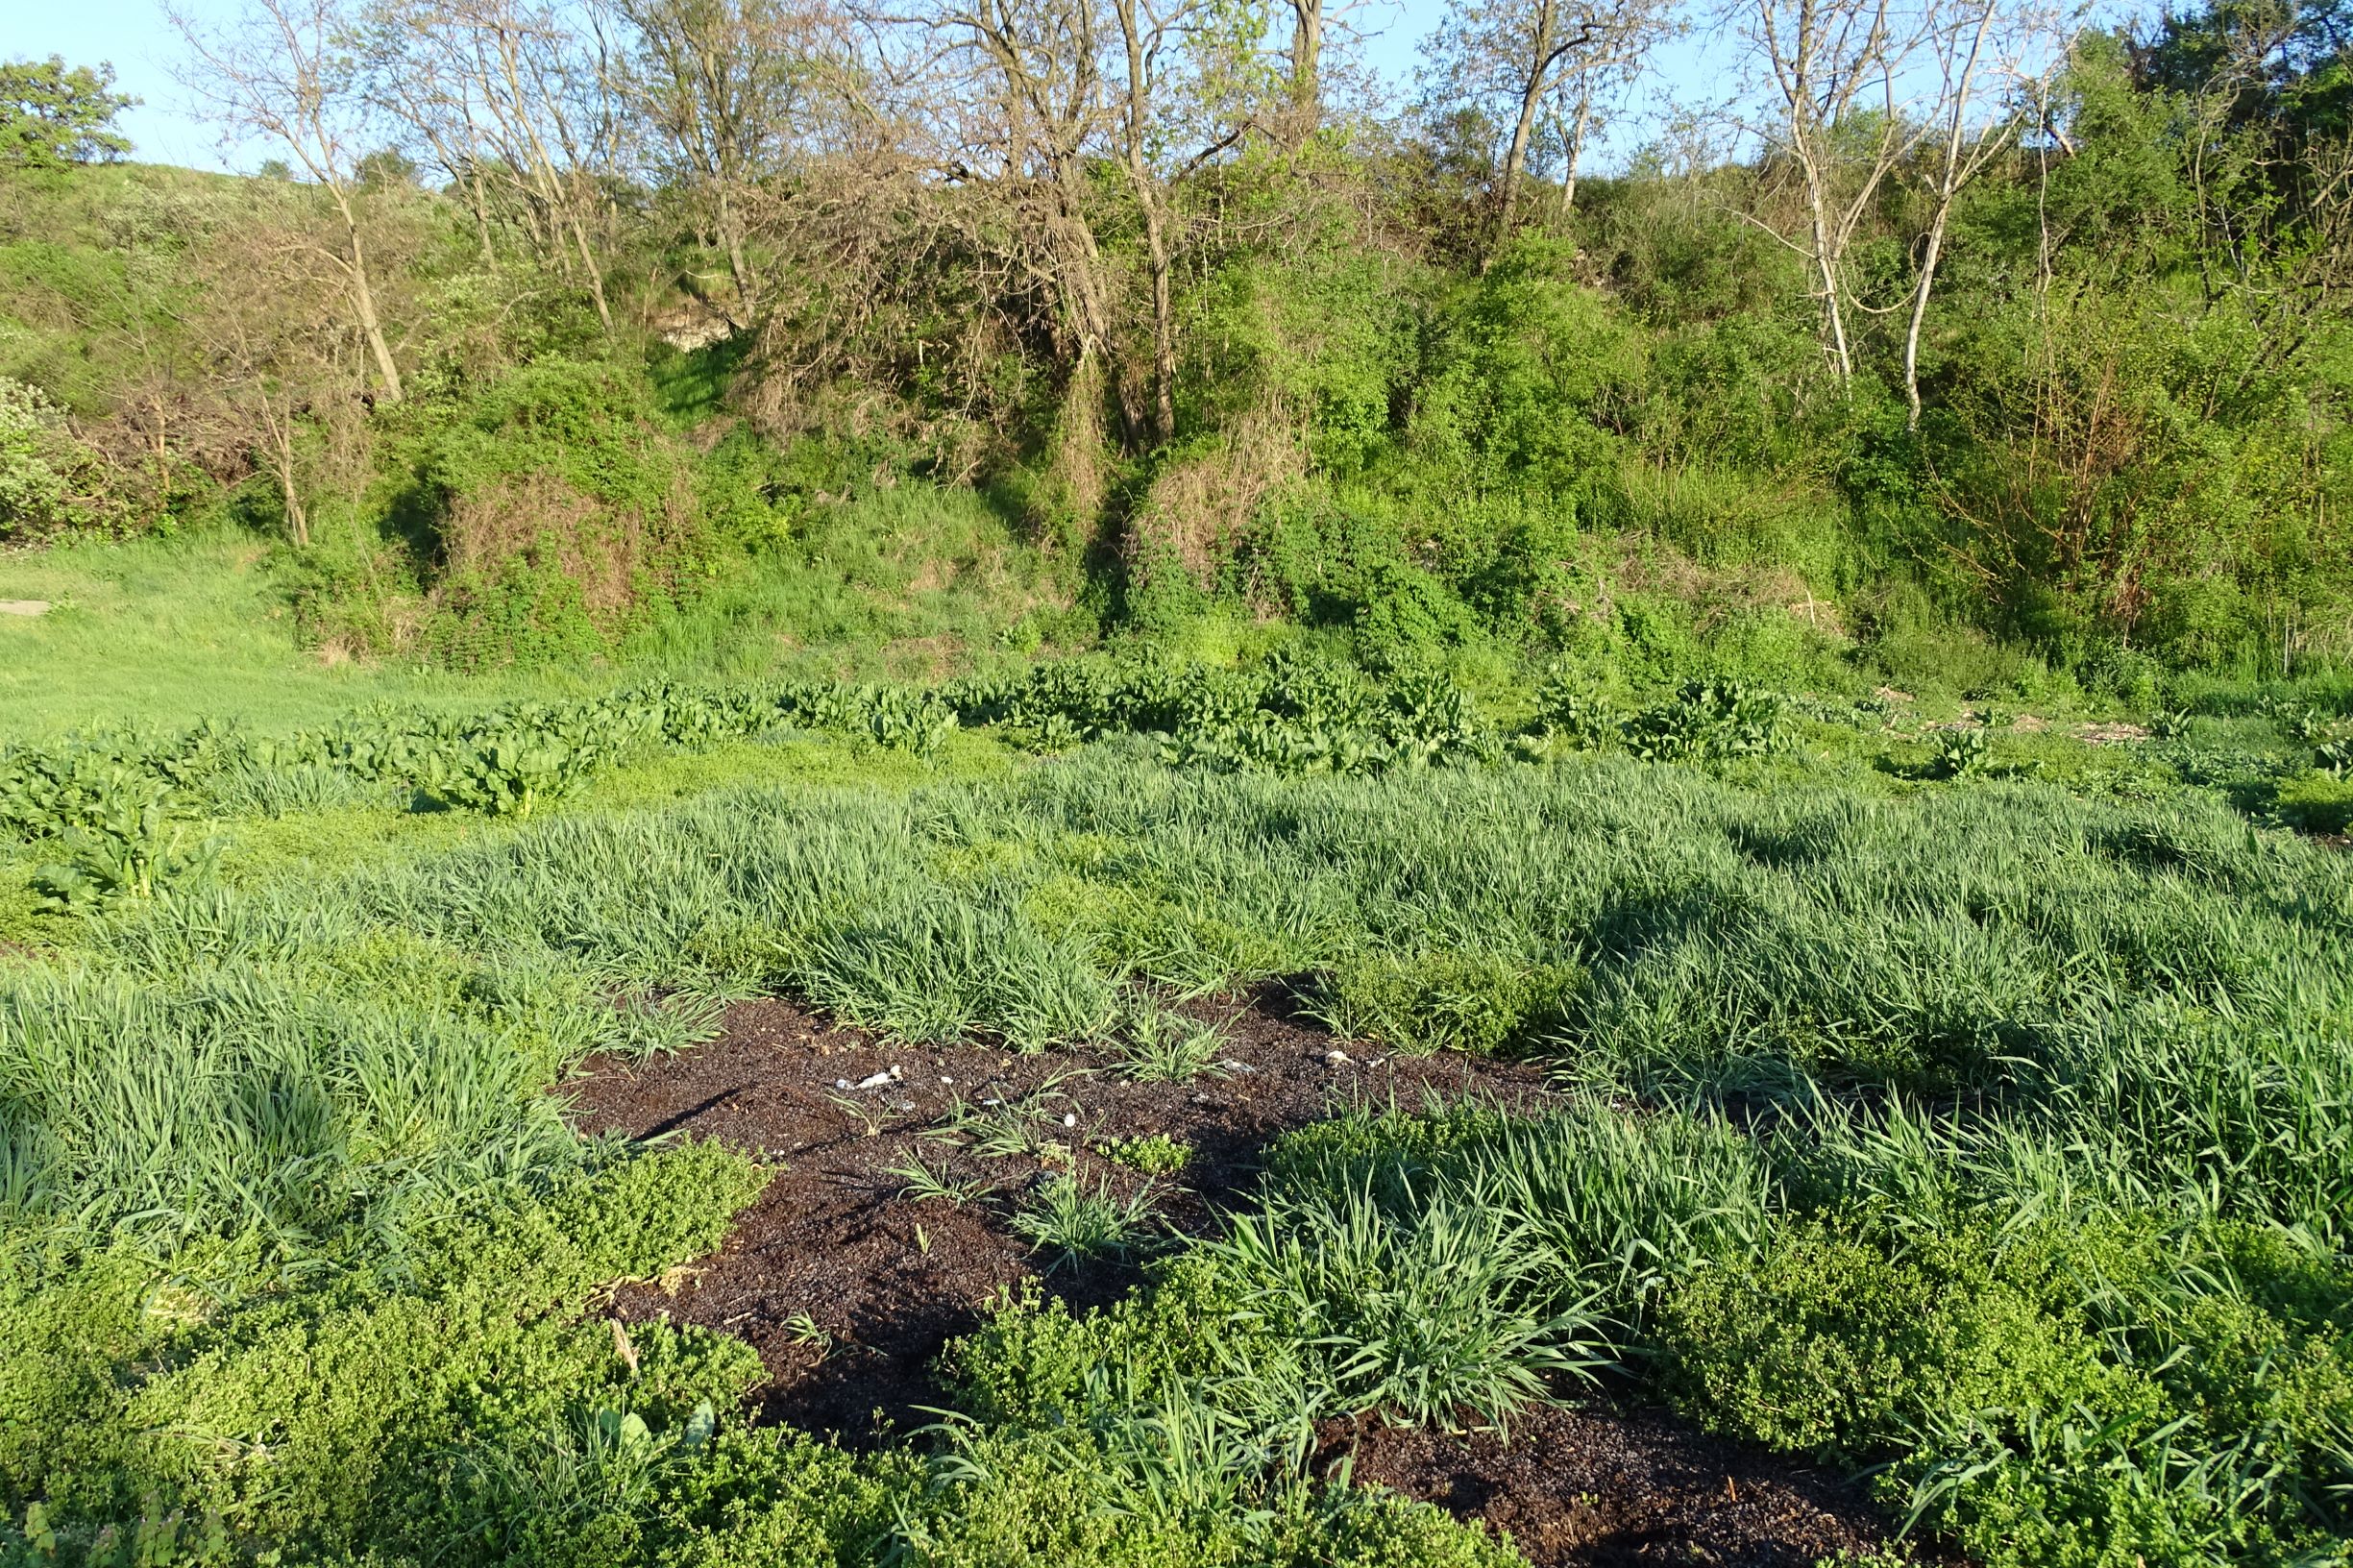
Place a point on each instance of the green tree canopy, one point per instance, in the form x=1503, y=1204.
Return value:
x=52, y=115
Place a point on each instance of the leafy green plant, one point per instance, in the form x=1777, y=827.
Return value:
x=2304, y=722
x=505, y=777
x=908, y=720
x=1155, y=1155
x=2315, y=801
x=49, y=794
x=540, y=754
x=130, y=854
x=1567, y=707
x=1708, y=718
x=806, y=1332
x=1961, y=753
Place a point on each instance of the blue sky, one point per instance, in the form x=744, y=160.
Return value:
x=134, y=35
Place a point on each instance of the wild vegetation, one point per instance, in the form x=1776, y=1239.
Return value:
x=1827, y=642
x=1949, y=325
x=1990, y=1125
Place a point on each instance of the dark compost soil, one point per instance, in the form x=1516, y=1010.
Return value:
x=1608, y=1486
x=848, y=1289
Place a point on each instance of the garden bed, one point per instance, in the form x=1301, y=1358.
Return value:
x=849, y=1287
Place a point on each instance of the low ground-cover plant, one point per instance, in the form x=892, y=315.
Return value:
x=2117, y=1381
x=1155, y=1155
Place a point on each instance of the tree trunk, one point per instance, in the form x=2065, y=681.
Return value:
x=160, y=446
x=1948, y=184
x=1163, y=327
x=1079, y=263
x=363, y=301
x=1572, y=150
x=596, y=274
x=1549, y=47
x=563, y=212
x=1827, y=253
x=731, y=234
x=1307, y=63
x=298, y=521
x=481, y=217
x=1919, y=312
x=1148, y=201
x=1515, y=157
x=282, y=437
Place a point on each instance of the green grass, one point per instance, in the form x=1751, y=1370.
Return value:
x=904, y=583
x=908, y=583
x=1988, y=1133
x=159, y=633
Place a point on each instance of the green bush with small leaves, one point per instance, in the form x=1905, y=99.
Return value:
x=1156, y=1154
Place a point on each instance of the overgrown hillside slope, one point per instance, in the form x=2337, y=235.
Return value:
x=2099, y=420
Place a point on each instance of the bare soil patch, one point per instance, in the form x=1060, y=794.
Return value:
x=1605, y=1486
x=850, y=1289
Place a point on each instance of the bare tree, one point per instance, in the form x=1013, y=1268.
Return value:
x=724, y=81
x=1978, y=38
x=279, y=356
x=417, y=88
x=1833, y=73
x=1624, y=36
x=1016, y=106
x=1148, y=123
x=1509, y=56
x=523, y=94
x=284, y=71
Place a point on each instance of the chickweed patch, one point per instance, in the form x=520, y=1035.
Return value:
x=1157, y=1155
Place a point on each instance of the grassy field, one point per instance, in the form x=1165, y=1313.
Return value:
x=158, y=632
x=1962, y=1102
x=163, y=633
